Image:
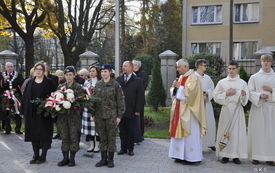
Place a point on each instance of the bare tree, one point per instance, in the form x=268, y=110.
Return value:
x=18, y=12
x=74, y=23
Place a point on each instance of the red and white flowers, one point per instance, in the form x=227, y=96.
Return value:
x=65, y=100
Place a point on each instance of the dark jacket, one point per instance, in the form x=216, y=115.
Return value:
x=54, y=78
x=37, y=126
x=143, y=75
x=134, y=95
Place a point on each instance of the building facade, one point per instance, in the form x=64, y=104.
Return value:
x=206, y=28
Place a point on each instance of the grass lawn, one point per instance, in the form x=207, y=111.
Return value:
x=157, y=123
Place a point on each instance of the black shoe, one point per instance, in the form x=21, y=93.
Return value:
x=185, y=162
x=212, y=148
x=41, y=160
x=7, y=132
x=225, y=160
x=236, y=161
x=179, y=160
x=122, y=152
x=131, y=153
x=56, y=136
x=34, y=159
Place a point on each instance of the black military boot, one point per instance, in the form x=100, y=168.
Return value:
x=65, y=160
x=103, y=160
x=72, y=156
x=111, y=159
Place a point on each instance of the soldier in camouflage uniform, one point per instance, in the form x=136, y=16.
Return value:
x=69, y=125
x=108, y=112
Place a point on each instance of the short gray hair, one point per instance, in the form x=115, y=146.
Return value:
x=138, y=63
x=84, y=71
x=183, y=62
x=8, y=63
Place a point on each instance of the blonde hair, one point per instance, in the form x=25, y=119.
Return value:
x=59, y=72
x=267, y=57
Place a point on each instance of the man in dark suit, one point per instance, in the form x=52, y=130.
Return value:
x=132, y=89
x=143, y=75
x=49, y=75
x=12, y=81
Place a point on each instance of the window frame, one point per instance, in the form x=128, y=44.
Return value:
x=214, y=47
x=241, y=13
x=239, y=57
x=199, y=12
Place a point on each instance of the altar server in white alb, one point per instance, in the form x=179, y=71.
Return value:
x=208, y=141
x=261, y=127
x=188, y=121
x=232, y=93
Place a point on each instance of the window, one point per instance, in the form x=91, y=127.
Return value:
x=246, y=13
x=244, y=50
x=214, y=48
x=207, y=14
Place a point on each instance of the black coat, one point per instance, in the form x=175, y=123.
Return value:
x=37, y=127
x=54, y=78
x=134, y=95
x=143, y=75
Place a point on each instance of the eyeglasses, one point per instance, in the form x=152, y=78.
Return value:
x=38, y=69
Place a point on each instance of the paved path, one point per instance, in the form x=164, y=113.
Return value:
x=150, y=157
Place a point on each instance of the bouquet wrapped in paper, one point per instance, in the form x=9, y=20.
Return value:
x=10, y=103
x=64, y=101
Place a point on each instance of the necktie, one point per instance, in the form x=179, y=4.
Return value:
x=125, y=79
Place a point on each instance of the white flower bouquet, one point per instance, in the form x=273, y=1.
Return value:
x=64, y=101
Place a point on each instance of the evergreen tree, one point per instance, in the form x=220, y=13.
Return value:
x=157, y=95
x=168, y=27
x=243, y=74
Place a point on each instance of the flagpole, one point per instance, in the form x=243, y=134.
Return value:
x=117, y=43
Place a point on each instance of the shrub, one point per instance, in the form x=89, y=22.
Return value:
x=215, y=64
x=156, y=96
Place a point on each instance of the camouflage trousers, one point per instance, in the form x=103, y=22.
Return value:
x=69, y=126
x=107, y=130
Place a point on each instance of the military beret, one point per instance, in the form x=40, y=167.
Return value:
x=106, y=67
x=69, y=69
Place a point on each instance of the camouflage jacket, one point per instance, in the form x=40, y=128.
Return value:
x=111, y=104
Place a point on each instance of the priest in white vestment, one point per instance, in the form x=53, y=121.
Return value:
x=188, y=120
x=208, y=141
x=261, y=127
x=232, y=93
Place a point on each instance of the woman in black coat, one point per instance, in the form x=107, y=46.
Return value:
x=38, y=128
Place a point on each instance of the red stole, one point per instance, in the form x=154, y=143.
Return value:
x=176, y=116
